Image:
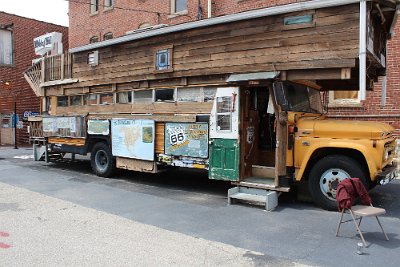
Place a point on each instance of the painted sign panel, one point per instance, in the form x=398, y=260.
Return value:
x=66, y=123
x=52, y=124
x=100, y=127
x=186, y=139
x=49, y=124
x=133, y=138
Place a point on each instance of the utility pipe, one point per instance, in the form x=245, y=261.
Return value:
x=363, y=50
x=209, y=8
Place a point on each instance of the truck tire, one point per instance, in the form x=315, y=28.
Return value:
x=326, y=175
x=102, y=160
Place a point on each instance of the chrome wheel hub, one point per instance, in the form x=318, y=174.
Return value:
x=330, y=180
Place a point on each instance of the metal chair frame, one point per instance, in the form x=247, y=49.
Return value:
x=373, y=212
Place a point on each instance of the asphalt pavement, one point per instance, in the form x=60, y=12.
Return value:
x=60, y=214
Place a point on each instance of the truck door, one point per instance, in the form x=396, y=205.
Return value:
x=224, y=135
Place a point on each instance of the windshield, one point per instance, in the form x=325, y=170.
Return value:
x=299, y=98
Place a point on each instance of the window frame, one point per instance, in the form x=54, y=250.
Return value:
x=12, y=64
x=66, y=101
x=70, y=103
x=94, y=39
x=170, y=67
x=106, y=94
x=301, y=25
x=134, y=101
x=108, y=36
x=117, y=100
x=94, y=7
x=108, y=7
x=167, y=100
x=229, y=112
x=343, y=102
x=88, y=100
x=180, y=12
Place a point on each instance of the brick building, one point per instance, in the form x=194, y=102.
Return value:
x=98, y=20
x=16, y=55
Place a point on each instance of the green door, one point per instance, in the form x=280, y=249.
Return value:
x=224, y=159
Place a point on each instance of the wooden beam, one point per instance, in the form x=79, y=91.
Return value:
x=319, y=74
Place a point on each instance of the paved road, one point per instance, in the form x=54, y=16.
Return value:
x=61, y=214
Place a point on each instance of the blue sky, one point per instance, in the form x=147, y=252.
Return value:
x=54, y=11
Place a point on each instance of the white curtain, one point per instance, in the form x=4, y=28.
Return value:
x=5, y=47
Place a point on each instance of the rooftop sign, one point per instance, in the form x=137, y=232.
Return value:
x=49, y=42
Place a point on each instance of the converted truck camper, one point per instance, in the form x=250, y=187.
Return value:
x=238, y=96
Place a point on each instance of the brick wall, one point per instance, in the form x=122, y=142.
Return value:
x=371, y=108
x=126, y=15
x=24, y=31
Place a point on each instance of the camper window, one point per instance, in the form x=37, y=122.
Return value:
x=75, y=100
x=92, y=99
x=165, y=95
x=62, y=101
x=124, y=97
x=107, y=99
x=224, y=113
x=143, y=96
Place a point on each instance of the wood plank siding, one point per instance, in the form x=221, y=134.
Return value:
x=264, y=44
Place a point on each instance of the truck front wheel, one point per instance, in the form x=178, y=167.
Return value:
x=326, y=175
x=102, y=161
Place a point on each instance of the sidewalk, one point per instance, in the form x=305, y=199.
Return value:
x=37, y=230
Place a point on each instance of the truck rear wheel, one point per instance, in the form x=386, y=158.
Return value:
x=102, y=161
x=326, y=175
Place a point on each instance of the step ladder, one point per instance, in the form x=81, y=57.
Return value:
x=266, y=197
x=41, y=153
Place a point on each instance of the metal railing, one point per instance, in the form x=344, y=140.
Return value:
x=57, y=67
x=33, y=76
x=51, y=68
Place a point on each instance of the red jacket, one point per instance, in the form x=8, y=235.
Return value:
x=349, y=190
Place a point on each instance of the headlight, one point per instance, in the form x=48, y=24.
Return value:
x=388, y=151
x=386, y=155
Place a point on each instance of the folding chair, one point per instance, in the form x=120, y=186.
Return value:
x=347, y=193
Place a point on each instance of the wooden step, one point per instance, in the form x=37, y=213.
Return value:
x=249, y=197
x=253, y=195
x=263, y=171
x=261, y=183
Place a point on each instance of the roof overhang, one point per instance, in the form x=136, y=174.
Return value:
x=252, y=76
x=253, y=14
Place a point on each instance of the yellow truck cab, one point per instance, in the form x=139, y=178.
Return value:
x=324, y=151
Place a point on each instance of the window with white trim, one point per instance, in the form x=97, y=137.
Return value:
x=343, y=98
x=178, y=6
x=94, y=6
x=6, y=47
x=163, y=59
x=224, y=113
x=108, y=4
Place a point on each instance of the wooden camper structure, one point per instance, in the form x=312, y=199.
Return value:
x=172, y=75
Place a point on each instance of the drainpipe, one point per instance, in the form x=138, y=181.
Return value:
x=209, y=8
x=363, y=50
x=396, y=15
